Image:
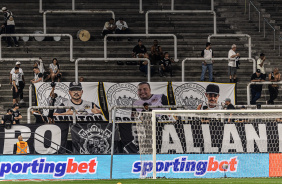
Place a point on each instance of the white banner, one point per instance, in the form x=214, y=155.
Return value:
x=193, y=94
x=86, y=101
x=135, y=94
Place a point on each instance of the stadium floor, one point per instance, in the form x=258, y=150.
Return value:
x=158, y=181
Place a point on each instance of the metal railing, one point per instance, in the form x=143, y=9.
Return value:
x=73, y=12
x=179, y=11
x=38, y=35
x=141, y=35
x=213, y=59
x=251, y=3
x=235, y=35
x=172, y=5
x=113, y=59
x=266, y=21
x=41, y=9
x=114, y=124
x=51, y=107
x=258, y=83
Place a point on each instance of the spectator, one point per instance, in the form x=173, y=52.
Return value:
x=256, y=88
x=40, y=65
x=146, y=107
x=260, y=63
x=16, y=113
x=144, y=68
x=109, y=27
x=55, y=70
x=81, y=79
x=37, y=76
x=207, y=53
x=140, y=51
x=8, y=118
x=21, y=80
x=39, y=117
x=156, y=52
x=232, y=70
x=229, y=106
x=9, y=25
x=165, y=65
x=122, y=27
x=52, y=101
x=275, y=76
x=15, y=84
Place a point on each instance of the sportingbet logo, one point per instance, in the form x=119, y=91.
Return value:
x=183, y=165
x=41, y=166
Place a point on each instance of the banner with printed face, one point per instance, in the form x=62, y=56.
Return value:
x=135, y=94
x=92, y=138
x=203, y=95
x=82, y=96
x=41, y=138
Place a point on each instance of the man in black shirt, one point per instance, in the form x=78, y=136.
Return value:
x=140, y=51
x=16, y=113
x=8, y=117
x=165, y=65
x=256, y=88
x=229, y=106
x=39, y=117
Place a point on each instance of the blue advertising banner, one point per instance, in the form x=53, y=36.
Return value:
x=55, y=167
x=193, y=166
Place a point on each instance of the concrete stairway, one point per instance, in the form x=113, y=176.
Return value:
x=192, y=31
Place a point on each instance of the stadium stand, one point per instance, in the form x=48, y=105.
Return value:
x=192, y=31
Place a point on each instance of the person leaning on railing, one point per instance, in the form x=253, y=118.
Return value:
x=274, y=76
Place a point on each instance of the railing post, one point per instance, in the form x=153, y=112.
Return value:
x=250, y=46
x=105, y=46
x=249, y=11
x=183, y=70
x=40, y=6
x=212, y=5
x=73, y=4
x=259, y=21
x=264, y=28
x=44, y=23
x=30, y=95
x=140, y=7
x=147, y=23
x=214, y=22
x=172, y=5
x=113, y=142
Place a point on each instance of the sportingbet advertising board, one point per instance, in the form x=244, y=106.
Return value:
x=129, y=166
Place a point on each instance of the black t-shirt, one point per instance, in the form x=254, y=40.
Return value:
x=39, y=118
x=8, y=117
x=16, y=114
x=257, y=87
x=137, y=49
x=230, y=106
x=165, y=62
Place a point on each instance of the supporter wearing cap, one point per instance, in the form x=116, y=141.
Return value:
x=212, y=94
x=256, y=88
x=82, y=106
x=260, y=63
x=232, y=70
x=9, y=25
x=228, y=104
x=16, y=113
x=21, y=80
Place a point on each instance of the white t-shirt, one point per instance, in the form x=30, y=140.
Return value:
x=259, y=61
x=21, y=73
x=16, y=77
x=121, y=25
x=107, y=24
x=53, y=67
x=231, y=62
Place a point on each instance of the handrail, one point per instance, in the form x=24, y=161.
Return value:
x=73, y=11
x=179, y=11
x=142, y=35
x=113, y=59
x=261, y=83
x=215, y=59
x=39, y=140
x=114, y=124
x=265, y=20
x=41, y=10
x=235, y=35
x=51, y=107
x=251, y=3
x=39, y=35
x=172, y=5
